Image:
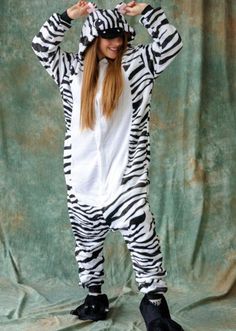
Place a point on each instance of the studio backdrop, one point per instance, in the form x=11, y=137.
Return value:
x=193, y=178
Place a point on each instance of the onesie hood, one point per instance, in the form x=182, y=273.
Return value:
x=106, y=23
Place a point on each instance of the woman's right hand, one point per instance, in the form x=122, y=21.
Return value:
x=78, y=10
x=134, y=8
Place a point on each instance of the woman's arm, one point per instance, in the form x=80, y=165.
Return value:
x=166, y=40
x=46, y=44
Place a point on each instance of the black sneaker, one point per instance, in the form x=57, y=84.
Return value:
x=157, y=318
x=94, y=308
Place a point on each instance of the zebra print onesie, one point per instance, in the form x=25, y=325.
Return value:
x=106, y=169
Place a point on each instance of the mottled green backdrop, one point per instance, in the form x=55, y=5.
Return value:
x=193, y=178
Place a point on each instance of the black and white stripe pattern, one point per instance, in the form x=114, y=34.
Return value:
x=129, y=212
x=99, y=21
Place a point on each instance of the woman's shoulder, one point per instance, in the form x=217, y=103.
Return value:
x=132, y=51
x=132, y=54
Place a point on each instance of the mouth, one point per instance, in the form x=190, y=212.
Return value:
x=113, y=49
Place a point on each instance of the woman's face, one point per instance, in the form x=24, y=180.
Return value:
x=109, y=47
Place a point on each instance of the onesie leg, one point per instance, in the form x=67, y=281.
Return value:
x=139, y=233
x=90, y=230
x=138, y=229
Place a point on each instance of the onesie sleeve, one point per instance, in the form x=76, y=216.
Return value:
x=46, y=45
x=166, y=42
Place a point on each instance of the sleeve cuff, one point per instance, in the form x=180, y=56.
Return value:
x=146, y=9
x=65, y=17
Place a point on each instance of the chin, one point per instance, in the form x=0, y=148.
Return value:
x=112, y=57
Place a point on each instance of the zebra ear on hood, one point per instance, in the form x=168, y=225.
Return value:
x=92, y=7
x=121, y=7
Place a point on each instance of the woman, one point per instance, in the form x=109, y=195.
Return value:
x=106, y=90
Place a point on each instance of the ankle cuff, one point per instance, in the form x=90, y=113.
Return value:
x=95, y=289
x=154, y=296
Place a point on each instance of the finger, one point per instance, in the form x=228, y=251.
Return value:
x=130, y=12
x=131, y=4
x=129, y=9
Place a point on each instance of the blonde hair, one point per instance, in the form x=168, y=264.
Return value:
x=112, y=86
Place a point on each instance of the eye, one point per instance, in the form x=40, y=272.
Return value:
x=98, y=23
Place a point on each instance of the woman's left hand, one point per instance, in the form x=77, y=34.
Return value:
x=134, y=8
